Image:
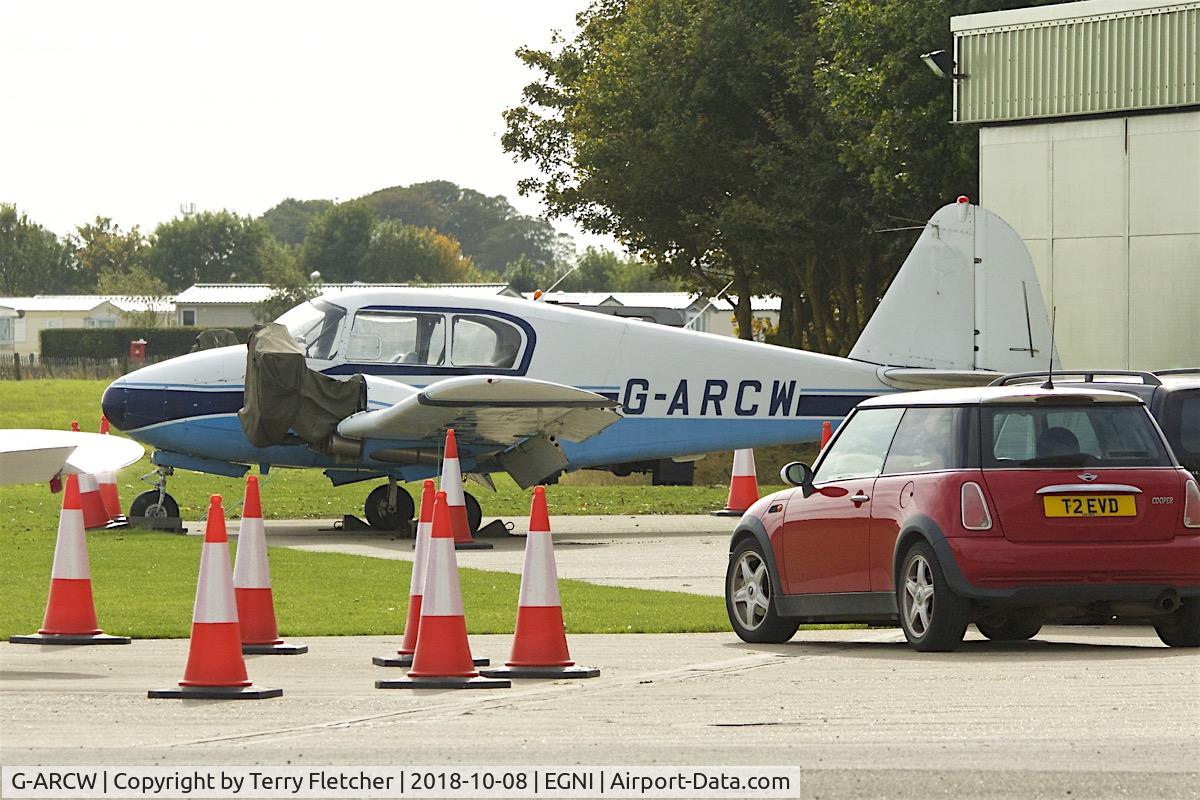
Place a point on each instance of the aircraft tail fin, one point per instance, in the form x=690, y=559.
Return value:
x=966, y=298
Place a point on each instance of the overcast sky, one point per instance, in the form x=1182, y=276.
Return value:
x=130, y=109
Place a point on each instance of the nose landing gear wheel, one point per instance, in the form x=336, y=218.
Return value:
x=385, y=515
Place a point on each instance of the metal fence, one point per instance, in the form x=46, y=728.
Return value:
x=15, y=367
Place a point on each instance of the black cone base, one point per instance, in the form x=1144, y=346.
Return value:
x=398, y=660
x=541, y=672
x=215, y=693
x=444, y=683
x=59, y=638
x=473, y=546
x=281, y=649
x=726, y=512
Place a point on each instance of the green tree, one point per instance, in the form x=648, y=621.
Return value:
x=32, y=259
x=399, y=253
x=337, y=242
x=289, y=286
x=100, y=248
x=488, y=228
x=138, y=284
x=653, y=126
x=209, y=247
x=288, y=220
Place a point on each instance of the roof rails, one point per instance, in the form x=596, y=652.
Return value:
x=1088, y=376
x=1179, y=371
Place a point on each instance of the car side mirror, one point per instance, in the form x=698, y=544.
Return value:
x=797, y=473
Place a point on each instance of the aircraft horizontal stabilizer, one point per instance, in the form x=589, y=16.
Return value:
x=912, y=380
x=488, y=409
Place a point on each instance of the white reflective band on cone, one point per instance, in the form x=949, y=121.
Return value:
x=87, y=483
x=442, y=597
x=70, y=551
x=251, y=570
x=214, y=591
x=451, y=483
x=106, y=477
x=420, y=559
x=539, y=579
x=743, y=462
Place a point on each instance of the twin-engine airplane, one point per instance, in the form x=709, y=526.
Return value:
x=364, y=383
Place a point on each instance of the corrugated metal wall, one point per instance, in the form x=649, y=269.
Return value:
x=1116, y=62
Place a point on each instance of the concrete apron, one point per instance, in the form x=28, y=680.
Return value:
x=1099, y=712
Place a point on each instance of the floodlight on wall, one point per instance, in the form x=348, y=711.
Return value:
x=941, y=63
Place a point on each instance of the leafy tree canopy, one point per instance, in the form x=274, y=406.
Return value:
x=288, y=221
x=210, y=247
x=32, y=260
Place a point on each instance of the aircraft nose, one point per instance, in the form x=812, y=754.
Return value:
x=113, y=404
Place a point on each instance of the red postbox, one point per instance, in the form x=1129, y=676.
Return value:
x=137, y=350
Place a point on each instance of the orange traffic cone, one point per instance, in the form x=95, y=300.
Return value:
x=416, y=590
x=443, y=656
x=452, y=485
x=826, y=433
x=252, y=584
x=743, y=486
x=109, y=494
x=70, y=612
x=215, y=667
x=94, y=513
x=540, y=641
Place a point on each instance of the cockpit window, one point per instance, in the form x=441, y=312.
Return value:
x=316, y=326
x=479, y=341
x=398, y=338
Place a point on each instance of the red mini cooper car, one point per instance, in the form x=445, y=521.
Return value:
x=1006, y=506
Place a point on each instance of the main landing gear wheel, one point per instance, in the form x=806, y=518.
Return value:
x=749, y=598
x=386, y=514
x=932, y=616
x=474, y=513
x=154, y=505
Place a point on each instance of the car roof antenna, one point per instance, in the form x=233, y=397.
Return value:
x=1049, y=384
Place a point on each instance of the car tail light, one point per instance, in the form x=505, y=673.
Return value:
x=975, y=513
x=1191, y=505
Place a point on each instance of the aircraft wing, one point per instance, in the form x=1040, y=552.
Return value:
x=35, y=456
x=488, y=409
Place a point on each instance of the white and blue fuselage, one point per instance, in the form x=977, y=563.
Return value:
x=679, y=392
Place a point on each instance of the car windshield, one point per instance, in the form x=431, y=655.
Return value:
x=315, y=326
x=1070, y=437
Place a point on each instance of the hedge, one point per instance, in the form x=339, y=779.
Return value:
x=114, y=342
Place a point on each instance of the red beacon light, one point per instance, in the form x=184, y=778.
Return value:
x=962, y=198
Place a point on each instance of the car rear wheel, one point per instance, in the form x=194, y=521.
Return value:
x=1009, y=629
x=932, y=616
x=1183, y=629
x=750, y=597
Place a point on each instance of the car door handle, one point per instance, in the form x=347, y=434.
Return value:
x=860, y=498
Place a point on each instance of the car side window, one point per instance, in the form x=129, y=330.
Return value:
x=926, y=441
x=859, y=450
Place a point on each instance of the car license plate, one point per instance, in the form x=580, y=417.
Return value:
x=1090, y=505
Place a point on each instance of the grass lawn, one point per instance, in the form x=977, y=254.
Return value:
x=144, y=585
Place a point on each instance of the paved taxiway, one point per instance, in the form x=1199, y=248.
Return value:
x=1082, y=712
x=683, y=553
